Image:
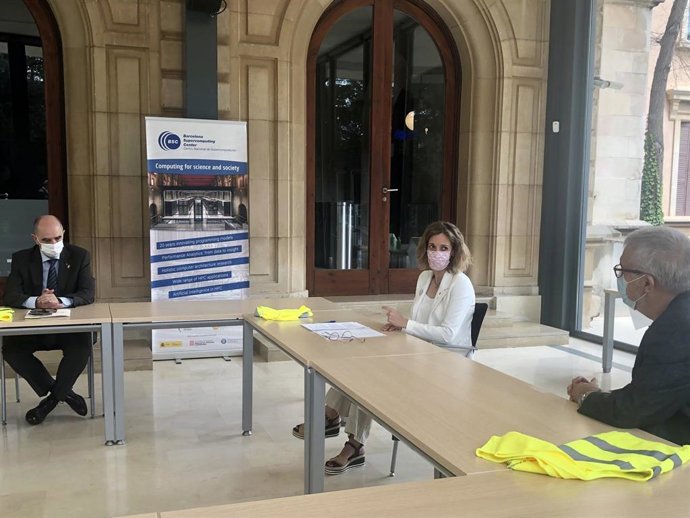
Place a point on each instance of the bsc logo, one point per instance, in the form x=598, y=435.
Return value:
x=168, y=141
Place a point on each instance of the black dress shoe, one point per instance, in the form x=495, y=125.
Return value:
x=76, y=403
x=38, y=414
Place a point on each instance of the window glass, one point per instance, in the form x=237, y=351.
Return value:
x=343, y=107
x=6, y=127
x=624, y=68
x=23, y=174
x=417, y=156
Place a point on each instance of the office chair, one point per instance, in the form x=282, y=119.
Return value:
x=480, y=309
x=3, y=395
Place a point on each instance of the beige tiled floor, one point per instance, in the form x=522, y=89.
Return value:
x=184, y=446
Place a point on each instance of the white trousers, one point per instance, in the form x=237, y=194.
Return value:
x=357, y=422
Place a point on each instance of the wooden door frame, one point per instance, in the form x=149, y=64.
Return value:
x=56, y=152
x=357, y=280
x=56, y=149
x=404, y=280
x=378, y=278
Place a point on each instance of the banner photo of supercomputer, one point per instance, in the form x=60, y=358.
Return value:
x=198, y=210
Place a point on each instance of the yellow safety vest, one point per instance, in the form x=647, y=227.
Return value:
x=608, y=454
x=6, y=314
x=268, y=313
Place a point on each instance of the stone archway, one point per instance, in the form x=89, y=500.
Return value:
x=123, y=60
x=418, y=162
x=503, y=51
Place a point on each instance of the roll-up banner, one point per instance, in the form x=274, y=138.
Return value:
x=198, y=210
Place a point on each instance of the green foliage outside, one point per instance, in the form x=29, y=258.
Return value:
x=650, y=199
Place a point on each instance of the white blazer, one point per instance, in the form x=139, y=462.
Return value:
x=450, y=320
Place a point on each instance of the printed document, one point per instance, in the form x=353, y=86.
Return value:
x=353, y=329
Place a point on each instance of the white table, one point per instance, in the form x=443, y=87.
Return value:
x=505, y=494
x=445, y=406
x=306, y=347
x=89, y=318
x=182, y=313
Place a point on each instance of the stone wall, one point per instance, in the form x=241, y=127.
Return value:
x=124, y=60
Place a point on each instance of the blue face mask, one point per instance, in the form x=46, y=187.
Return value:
x=623, y=290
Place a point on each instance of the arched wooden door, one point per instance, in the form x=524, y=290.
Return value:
x=383, y=101
x=32, y=123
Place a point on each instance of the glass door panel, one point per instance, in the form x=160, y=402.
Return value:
x=417, y=131
x=381, y=129
x=23, y=162
x=36, y=118
x=343, y=102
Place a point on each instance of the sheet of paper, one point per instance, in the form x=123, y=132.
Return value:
x=64, y=312
x=336, y=329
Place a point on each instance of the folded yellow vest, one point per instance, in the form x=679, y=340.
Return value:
x=268, y=313
x=6, y=314
x=609, y=454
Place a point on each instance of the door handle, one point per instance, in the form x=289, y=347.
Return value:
x=387, y=190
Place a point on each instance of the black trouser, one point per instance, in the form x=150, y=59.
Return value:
x=18, y=351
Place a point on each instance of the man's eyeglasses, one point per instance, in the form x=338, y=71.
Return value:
x=618, y=271
x=345, y=336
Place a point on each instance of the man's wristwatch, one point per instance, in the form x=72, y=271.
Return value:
x=584, y=396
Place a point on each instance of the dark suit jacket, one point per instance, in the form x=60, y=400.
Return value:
x=658, y=397
x=75, y=279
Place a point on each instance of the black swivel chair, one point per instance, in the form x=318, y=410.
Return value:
x=480, y=309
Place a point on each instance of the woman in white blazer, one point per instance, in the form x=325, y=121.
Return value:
x=441, y=313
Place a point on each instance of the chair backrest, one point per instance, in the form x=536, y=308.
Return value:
x=480, y=309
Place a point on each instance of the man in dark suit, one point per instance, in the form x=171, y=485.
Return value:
x=653, y=278
x=50, y=275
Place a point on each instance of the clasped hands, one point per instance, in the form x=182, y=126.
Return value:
x=48, y=300
x=580, y=386
x=395, y=320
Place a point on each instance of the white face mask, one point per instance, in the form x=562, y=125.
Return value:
x=52, y=250
x=639, y=320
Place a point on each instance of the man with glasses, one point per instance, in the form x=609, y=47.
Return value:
x=50, y=275
x=653, y=278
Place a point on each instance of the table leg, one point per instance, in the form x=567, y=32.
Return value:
x=119, y=382
x=247, y=377
x=314, y=431
x=3, y=394
x=107, y=380
x=607, y=339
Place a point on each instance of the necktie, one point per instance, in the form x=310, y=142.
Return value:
x=51, y=283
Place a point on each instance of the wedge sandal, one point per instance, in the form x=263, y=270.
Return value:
x=332, y=428
x=356, y=460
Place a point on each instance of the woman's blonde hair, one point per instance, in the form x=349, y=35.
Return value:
x=460, y=256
